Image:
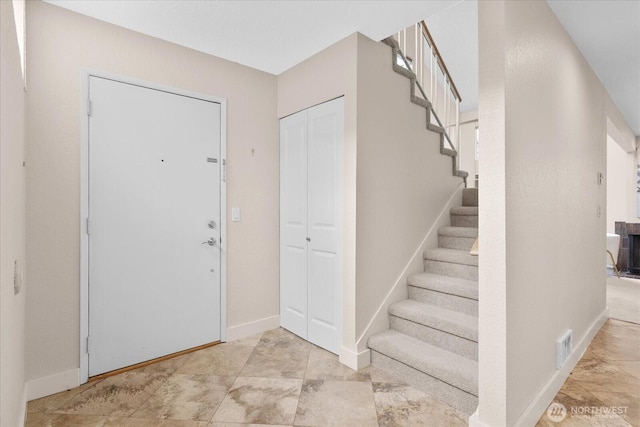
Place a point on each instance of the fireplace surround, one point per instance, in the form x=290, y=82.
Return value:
x=629, y=254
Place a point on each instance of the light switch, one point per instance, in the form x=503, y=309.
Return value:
x=235, y=214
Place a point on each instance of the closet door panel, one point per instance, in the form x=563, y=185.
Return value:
x=293, y=223
x=325, y=147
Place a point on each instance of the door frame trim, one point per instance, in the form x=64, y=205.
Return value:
x=84, y=201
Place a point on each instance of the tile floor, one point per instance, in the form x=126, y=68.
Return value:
x=276, y=378
x=604, y=387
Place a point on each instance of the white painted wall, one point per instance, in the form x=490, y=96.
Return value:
x=12, y=223
x=60, y=45
x=543, y=114
x=621, y=185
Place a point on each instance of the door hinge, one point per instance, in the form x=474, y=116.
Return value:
x=89, y=107
x=87, y=225
x=224, y=170
x=87, y=344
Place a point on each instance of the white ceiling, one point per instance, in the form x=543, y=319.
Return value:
x=275, y=35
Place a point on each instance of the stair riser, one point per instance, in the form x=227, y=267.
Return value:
x=448, y=301
x=464, y=220
x=454, y=344
x=462, y=271
x=470, y=197
x=459, y=243
x=459, y=399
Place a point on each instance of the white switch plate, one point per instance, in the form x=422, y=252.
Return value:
x=235, y=214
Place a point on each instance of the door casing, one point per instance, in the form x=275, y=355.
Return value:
x=84, y=203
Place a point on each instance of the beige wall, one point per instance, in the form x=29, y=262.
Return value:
x=621, y=185
x=543, y=115
x=60, y=45
x=12, y=222
x=467, y=152
x=325, y=76
x=403, y=182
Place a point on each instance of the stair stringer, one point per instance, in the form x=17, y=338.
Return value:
x=380, y=320
x=443, y=322
x=395, y=49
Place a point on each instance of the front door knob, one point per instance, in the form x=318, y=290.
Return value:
x=210, y=242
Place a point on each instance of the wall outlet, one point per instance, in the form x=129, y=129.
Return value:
x=564, y=347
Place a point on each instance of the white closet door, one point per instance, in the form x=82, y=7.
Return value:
x=293, y=223
x=311, y=146
x=324, y=172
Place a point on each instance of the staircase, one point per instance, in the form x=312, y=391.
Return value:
x=433, y=340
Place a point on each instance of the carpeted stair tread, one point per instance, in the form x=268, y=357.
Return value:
x=452, y=256
x=449, y=321
x=448, y=367
x=445, y=284
x=471, y=232
x=464, y=210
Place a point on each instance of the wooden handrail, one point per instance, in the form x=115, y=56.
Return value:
x=444, y=66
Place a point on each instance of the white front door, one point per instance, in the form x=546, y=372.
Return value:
x=311, y=147
x=154, y=198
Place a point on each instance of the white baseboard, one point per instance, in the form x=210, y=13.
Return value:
x=541, y=402
x=353, y=359
x=252, y=328
x=474, y=420
x=45, y=386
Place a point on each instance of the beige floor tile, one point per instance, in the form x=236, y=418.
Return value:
x=217, y=424
x=40, y=419
x=119, y=395
x=50, y=403
x=324, y=365
x=169, y=366
x=629, y=403
x=600, y=375
x=276, y=362
x=630, y=367
x=250, y=341
x=186, y=397
x=380, y=376
x=260, y=401
x=336, y=403
x=401, y=405
x=147, y=422
x=281, y=338
x=218, y=360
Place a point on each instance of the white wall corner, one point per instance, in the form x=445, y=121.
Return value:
x=252, y=328
x=51, y=384
x=353, y=359
x=545, y=396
